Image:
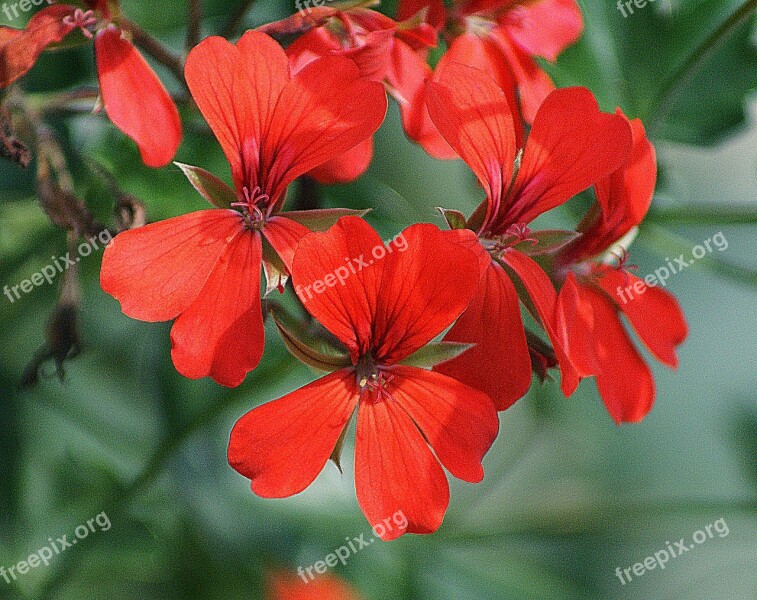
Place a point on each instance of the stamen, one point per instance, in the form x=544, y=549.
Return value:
x=83, y=20
x=622, y=258
x=250, y=207
x=377, y=384
x=522, y=232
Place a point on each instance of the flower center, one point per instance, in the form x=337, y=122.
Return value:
x=82, y=20
x=373, y=381
x=251, y=207
x=516, y=234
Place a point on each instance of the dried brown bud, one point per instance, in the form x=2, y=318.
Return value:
x=129, y=213
x=11, y=147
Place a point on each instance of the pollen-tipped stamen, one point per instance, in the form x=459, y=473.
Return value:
x=83, y=20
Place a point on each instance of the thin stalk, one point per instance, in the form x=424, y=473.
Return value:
x=236, y=19
x=678, y=80
x=156, y=49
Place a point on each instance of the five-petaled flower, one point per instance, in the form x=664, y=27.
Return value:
x=134, y=98
x=591, y=300
x=383, y=314
x=571, y=146
x=203, y=269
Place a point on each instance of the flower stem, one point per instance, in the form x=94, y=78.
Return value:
x=678, y=80
x=156, y=49
x=236, y=19
x=194, y=23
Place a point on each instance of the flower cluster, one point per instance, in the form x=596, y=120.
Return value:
x=422, y=404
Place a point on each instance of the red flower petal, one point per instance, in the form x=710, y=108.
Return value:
x=236, y=89
x=499, y=364
x=135, y=99
x=424, y=288
x=395, y=472
x=346, y=307
x=575, y=326
x=390, y=302
x=571, y=146
x=654, y=313
x=534, y=85
x=158, y=270
x=324, y=111
x=459, y=422
x=473, y=114
x=625, y=381
x=286, y=586
x=20, y=49
x=281, y=446
x=407, y=75
x=544, y=298
x=221, y=333
x=284, y=235
x=345, y=167
x=625, y=197
x=484, y=54
x=544, y=28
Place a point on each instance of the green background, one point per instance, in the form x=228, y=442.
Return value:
x=568, y=496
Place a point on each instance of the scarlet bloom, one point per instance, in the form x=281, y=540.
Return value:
x=203, y=269
x=382, y=313
x=594, y=293
x=384, y=50
x=503, y=38
x=571, y=146
x=288, y=586
x=134, y=98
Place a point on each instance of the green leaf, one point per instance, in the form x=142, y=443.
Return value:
x=435, y=353
x=685, y=71
x=305, y=348
x=210, y=187
x=455, y=219
x=547, y=241
x=322, y=218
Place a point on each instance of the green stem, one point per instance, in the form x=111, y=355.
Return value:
x=678, y=80
x=194, y=23
x=703, y=215
x=156, y=49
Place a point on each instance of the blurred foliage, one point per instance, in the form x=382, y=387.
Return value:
x=568, y=496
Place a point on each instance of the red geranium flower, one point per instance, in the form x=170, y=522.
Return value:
x=204, y=267
x=288, y=586
x=382, y=313
x=384, y=50
x=134, y=98
x=503, y=38
x=571, y=146
x=594, y=294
